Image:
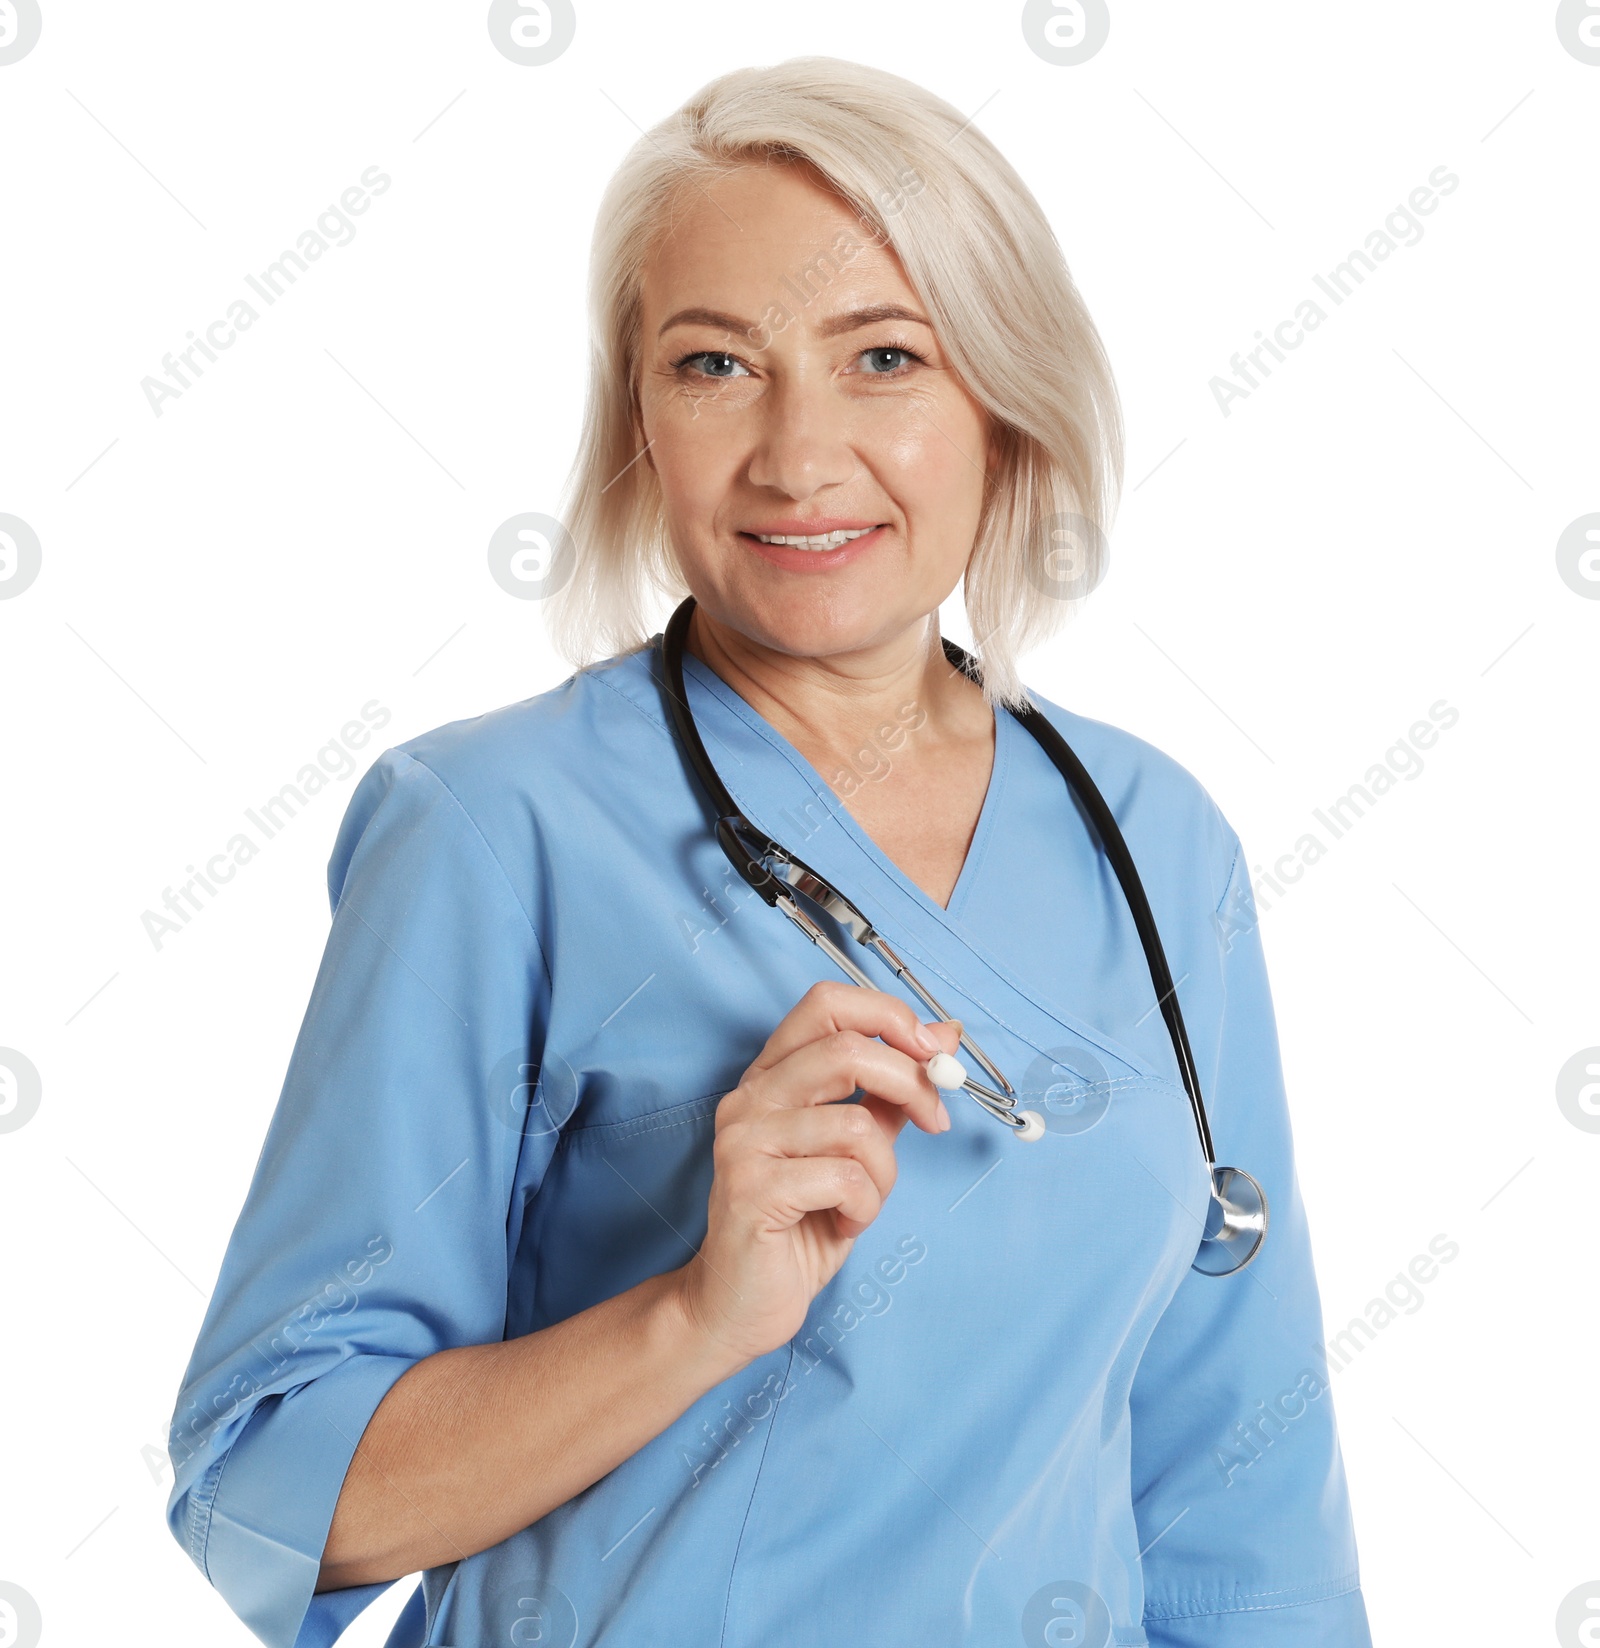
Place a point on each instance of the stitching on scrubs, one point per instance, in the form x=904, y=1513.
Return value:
x=653, y=1121
x=653, y=714
x=533, y=932
x=1304, y=1596
x=201, y=1498
x=633, y=703
x=929, y=963
x=755, y=1487
x=1227, y=884
x=1107, y=1087
x=510, y=884
x=988, y=823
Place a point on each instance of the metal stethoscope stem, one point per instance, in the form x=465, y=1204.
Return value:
x=1001, y=1104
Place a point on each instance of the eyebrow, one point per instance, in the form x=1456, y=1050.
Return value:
x=852, y=321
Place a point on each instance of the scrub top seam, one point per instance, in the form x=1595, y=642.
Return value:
x=202, y=1498
x=988, y=821
x=510, y=885
x=1255, y=1602
x=650, y=1121
x=634, y=704
x=1227, y=880
x=1099, y=1039
x=750, y=1504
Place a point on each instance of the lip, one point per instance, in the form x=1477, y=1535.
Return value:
x=790, y=559
x=794, y=527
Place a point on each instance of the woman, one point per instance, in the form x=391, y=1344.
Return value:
x=569, y=1273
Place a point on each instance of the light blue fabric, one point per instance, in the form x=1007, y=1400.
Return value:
x=1013, y=1387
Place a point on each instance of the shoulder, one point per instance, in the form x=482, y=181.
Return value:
x=593, y=718
x=1166, y=813
x=517, y=774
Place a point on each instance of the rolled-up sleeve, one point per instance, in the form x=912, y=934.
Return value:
x=375, y=1229
x=1239, y=1486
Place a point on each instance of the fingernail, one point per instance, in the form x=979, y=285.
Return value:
x=925, y=1041
x=944, y=1118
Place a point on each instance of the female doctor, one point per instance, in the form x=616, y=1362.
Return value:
x=591, y=1265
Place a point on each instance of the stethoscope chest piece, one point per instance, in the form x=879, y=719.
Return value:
x=1236, y=1223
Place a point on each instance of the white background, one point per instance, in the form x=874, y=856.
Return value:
x=1293, y=585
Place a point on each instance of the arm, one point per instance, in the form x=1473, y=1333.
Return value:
x=458, y=1457
x=1239, y=1487
x=378, y=1225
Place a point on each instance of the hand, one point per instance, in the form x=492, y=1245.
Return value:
x=797, y=1176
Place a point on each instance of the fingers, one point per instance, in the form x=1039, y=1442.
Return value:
x=827, y=1130
x=778, y=1166
x=831, y=1005
x=809, y=1184
x=782, y=1160
x=850, y=1016
x=832, y=1067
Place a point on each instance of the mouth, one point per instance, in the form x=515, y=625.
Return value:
x=831, y=545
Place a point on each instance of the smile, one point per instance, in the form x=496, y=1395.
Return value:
x=819, y=541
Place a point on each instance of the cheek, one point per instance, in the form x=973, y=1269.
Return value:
x=708, y=420
x=694, y=461
x=933, y=477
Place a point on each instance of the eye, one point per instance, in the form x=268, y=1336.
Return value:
x=712, y=363
x=888, y=360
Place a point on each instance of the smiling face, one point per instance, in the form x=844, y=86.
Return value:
x=791, y=386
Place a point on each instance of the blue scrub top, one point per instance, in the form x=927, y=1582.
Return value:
x=1014, y=1413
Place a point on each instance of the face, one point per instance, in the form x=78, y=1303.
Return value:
x=791, y=386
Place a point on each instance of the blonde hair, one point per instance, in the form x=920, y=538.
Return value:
x=979, y=253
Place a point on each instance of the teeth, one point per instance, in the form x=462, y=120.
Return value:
x=827, y=540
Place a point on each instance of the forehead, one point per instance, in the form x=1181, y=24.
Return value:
x=765, y=235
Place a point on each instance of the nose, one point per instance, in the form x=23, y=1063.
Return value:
x=802, y=445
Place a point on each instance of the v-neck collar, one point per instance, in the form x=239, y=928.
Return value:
x=791, y=802
x=1005, y=728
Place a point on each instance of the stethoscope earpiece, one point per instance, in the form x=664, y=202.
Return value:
x=949, y=1075
x=1236, y=1223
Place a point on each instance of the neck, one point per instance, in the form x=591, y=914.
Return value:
x=837, y=710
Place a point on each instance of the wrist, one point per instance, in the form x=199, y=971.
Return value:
x=692, y=1348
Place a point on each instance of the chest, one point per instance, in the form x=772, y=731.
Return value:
x=923, y=815
x=663, y=996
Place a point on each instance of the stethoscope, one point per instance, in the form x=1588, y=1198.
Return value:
x=1236, y=1220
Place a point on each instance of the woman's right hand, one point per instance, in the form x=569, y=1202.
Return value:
x=797, y=1176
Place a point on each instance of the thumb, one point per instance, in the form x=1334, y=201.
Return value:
x=947, y=1032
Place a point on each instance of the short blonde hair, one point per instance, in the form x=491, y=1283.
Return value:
x=979, y=253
